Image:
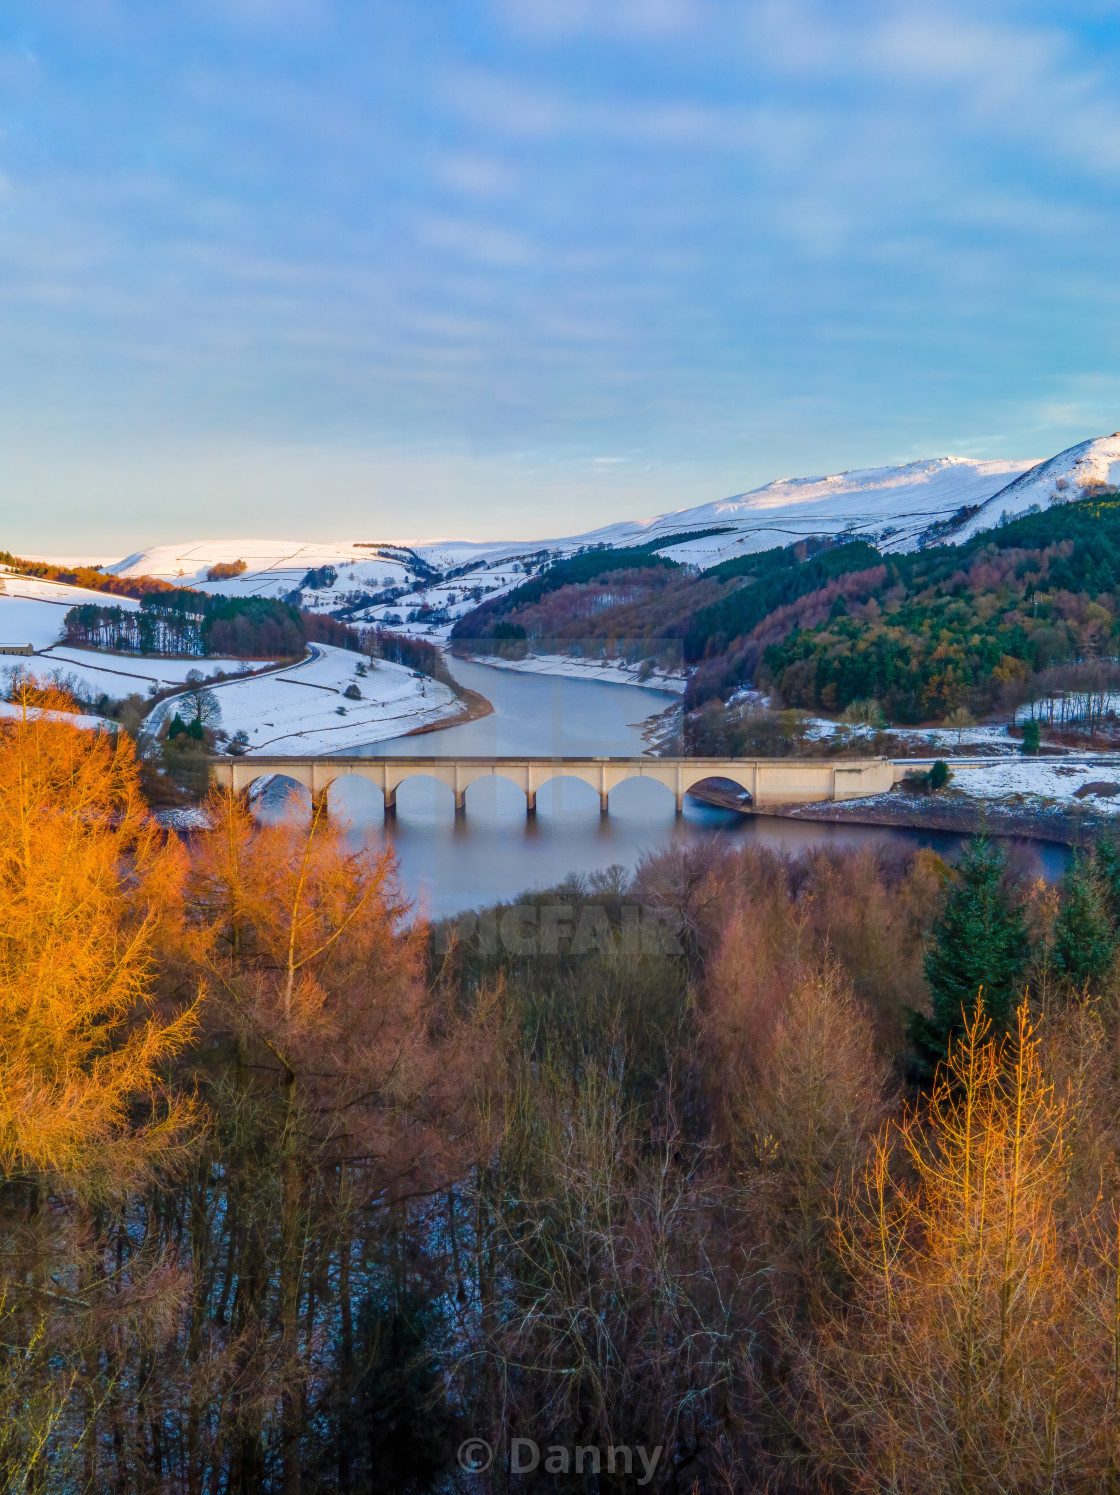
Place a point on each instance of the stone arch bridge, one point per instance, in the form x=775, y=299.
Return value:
x=768, y=781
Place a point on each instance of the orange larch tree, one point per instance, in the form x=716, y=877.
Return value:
x=90, y=892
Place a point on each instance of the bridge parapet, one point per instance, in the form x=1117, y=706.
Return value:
x=768, y=781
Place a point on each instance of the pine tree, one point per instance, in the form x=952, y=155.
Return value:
x=1106, y=855
x=1084, y=936
x=978, y=942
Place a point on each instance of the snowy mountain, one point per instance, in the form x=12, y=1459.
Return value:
x=894, y=505
x=896, y=508
x=1078, y=472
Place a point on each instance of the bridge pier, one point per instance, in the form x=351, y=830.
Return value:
x=531, y=803
x=460, y=802
x=680, y=802
x=604, y=802
x=320, y=810
x=390, y=804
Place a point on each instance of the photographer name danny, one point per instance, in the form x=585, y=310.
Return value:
x=526, y=1455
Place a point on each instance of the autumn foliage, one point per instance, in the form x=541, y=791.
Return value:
x=92, y=896
x=297, y=1194
x=320, y=981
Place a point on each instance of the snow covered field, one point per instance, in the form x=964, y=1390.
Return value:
x=88, y=672
x=12, y=712
x=299, y=709
x=272, y=566
x=33, y=612
x=1042, y=779
x=302, y=709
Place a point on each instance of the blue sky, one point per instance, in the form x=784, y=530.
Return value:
x=497, y=267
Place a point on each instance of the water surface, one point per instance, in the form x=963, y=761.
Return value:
x=495, y=851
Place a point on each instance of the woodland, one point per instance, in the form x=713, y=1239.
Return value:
x=821, y=624
x=299, y=1193
x=180, y=621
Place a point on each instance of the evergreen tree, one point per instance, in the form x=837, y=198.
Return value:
x=978, y=942
x=1084, y=936
x=1107, y=859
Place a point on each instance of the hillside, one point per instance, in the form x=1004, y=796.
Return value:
x=824, y=622
x=1082, y=471
x=893, y=504
x=429, y=585
x=773, y=586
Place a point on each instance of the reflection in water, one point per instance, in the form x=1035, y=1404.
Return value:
x=495, y=851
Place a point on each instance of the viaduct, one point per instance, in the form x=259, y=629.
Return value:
x=768, y=781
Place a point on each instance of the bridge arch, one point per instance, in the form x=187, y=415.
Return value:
x=765, y=781
x=544, y=779
x=726, y=784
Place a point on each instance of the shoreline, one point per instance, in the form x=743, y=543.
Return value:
x=961, y=816
x=474, y=706
x=566, y=667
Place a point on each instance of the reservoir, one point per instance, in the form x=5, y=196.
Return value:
x=495, y=851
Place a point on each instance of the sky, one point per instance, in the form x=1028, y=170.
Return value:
x=518, y=268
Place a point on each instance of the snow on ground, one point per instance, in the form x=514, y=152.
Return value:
x=1074, y=474
x=892, y=506
x=302, y=709
x=277, y=568
x=613, y=673
x=37, y=588
x=11, y=712
x=33, y=612
x=1041, y=778
x=91, y=672
x=189, y=562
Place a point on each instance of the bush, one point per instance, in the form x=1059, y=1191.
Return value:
x=939, y=775
x=223, y=570
x=930, y=782
x=1031, y=736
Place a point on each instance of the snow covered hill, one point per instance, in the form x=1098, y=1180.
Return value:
x=32, y=611
x=897, y=508
x=893, y=506
x=303, y=708
x=890, y=506
x=274, y=568
x=1078, y=472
